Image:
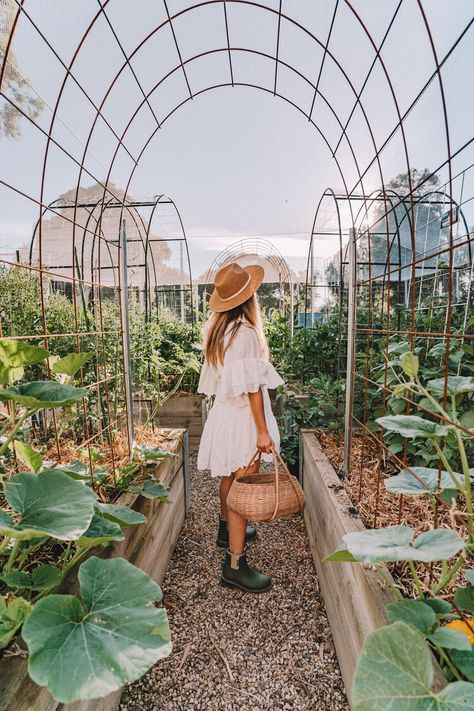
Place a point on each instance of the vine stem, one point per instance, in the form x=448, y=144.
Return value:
x=444, y=580
x=449, y=663
x=442, y=456
x=13, y=555
x=386, y=578
x=4, y=544
x=467, y=476
x=416, y=579
x=12, y=434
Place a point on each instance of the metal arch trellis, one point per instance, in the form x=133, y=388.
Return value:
x=259, y=247
x=143, y=228
x=408, y=200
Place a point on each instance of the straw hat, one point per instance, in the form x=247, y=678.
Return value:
x=234, y=285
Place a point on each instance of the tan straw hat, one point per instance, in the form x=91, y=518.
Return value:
x=234, y=285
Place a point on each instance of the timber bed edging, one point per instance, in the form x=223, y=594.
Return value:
x=353, y=594
x=355, y=601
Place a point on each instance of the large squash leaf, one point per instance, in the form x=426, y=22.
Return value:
x=49, y=504
x=123, y=515
x=43, y=393
x=100, y=531
x=412, y=426
x=16, y=354
x=395, y=671
x=70, y=364
x=455, y=385
x=395, y=543
x=405, y=483
x=87, y=650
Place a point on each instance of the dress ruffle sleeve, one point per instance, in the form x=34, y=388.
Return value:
x=247, y=376
x=208, y=381
x=244, y=370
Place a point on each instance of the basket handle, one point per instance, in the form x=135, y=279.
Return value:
x=256, y=456
x=295, y=488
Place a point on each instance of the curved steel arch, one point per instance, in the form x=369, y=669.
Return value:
x=353, y=160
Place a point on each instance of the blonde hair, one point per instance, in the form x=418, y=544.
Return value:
x=218, y=326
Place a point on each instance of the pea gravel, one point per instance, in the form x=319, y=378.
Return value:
x=233, y=650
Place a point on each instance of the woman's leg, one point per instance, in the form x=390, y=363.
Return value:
x=236, y=524
x=226, y=483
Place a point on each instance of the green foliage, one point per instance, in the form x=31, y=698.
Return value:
x=311, y=352
x=49, y=504
x=396, y=543
x=83, y=650
x=395, y=671
x=164, y=354
x=43, y=510
x=452, y=642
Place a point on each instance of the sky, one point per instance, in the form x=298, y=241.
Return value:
x=237, y=161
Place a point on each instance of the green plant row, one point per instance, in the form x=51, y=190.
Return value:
x=50, y=519
x=395, y=669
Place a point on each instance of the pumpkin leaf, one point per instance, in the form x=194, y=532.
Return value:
x=28, y=455
x=12, y=615
x=49, y=504
x=464, y=598
x=88, y=649
x=405, y=483
x=455, y=384
x=450, y=639
x=340, y=555
x=394, y=543
x=464, y=660
x=153, y=454
x=409, y=364
x=100, y=531
x=70, y=364
x=45, y=577
x=75, y=469
x=395, y=671
x=123, y=515
x=413, y=612
x=14, y=355
x=412, y=426
x=42, y=393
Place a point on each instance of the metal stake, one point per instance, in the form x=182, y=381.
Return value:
x=125, y=322
x=351, y=325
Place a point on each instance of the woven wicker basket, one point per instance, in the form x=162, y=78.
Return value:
x=264, y=496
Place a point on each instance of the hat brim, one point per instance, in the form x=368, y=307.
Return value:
x=256, y=277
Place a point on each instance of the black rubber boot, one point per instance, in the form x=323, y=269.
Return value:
x=237, y=573
x=223, y=534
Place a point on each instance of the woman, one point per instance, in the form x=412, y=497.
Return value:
x=237, y=373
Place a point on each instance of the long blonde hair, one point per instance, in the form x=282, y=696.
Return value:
x=219, y=324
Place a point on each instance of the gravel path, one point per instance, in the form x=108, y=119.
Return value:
x=237, y=651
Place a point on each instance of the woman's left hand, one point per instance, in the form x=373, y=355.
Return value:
x=264, y=443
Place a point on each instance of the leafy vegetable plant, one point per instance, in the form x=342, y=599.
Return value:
x=440, y=618
x=50, y=520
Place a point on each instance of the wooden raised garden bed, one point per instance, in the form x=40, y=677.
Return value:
x=148, y=546
x=354, y=599
x=181, y=410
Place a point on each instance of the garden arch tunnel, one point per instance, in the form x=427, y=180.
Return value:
x=355, y=94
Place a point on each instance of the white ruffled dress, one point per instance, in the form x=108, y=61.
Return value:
x=229, y=437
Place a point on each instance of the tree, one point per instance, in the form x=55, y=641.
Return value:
x=14, y=85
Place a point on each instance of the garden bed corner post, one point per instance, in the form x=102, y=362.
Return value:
x=351, y=325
